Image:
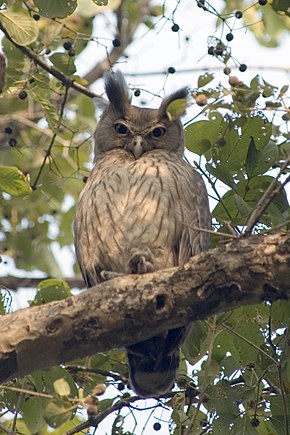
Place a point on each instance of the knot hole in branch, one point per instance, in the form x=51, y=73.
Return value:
x=160, y=301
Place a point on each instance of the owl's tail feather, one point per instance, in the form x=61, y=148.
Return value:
x=153, y=364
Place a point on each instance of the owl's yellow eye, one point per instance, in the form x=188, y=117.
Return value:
x=158, y=132
x=121, y=128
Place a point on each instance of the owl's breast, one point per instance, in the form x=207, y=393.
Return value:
x=135, y=204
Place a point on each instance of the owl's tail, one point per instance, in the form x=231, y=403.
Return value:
x=153, y=364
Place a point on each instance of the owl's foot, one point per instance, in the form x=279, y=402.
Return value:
x=141, y=261
x=108, y=274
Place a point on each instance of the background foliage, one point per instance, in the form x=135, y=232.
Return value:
x=240, y=136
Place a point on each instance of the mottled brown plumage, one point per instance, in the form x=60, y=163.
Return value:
x=135, y=215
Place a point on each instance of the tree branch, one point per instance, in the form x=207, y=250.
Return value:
x=132, y=308
x=15, y=282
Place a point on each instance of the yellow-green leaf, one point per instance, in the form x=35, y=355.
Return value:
x=21, y=28
x=61, y=387
x=176, y=109
x=13, y=181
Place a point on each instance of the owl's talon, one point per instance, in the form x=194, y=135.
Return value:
x=141, y=261
x=108, y=274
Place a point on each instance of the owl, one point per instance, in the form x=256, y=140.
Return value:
x=136, y=214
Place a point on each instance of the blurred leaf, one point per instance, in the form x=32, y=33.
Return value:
x=200, y=136
x=51, y=290
x=176, y=108
x=32, y=411
x=13, y=181
x=56, y=8
x=21, y=28
x=222, y=173
x=63, y=62
x=58, y=411
x=258, y=162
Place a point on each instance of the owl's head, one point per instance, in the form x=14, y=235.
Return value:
x=134, y=129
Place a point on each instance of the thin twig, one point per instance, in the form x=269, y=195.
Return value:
x=205, y=378
x=48, y=152
x=232, y=331
x=107, y=373
x=268, y=196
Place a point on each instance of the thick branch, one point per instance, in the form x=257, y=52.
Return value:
x=132, y=308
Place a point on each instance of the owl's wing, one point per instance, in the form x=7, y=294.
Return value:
x=195, y=214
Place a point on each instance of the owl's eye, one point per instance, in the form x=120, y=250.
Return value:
x=158, y=132
x=121, y=128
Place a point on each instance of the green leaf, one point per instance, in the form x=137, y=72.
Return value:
x=21, y=27
x=176, y=109
x=63, y=62
x=258, y=162
x=200, y=136
x=51, y=290
x=204, y=79
x=32, y=411
x=58, y=412
x=222, y=173
x=56, y=8
x=13, y=181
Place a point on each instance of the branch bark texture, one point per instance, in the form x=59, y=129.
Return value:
x=132, y=308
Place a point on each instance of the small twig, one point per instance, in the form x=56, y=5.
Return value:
x=107, y=373
x=205, y=378
x=48, y=152
x=268, y=196
x=95, y=421
x=214, y=233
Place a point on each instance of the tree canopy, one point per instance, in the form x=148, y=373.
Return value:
x=235, y=367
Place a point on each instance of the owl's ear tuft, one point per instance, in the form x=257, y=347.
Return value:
x=174, y=105
x=117, y=91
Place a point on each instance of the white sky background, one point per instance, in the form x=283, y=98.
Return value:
x=154, y=51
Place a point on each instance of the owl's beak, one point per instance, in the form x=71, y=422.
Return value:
x=136, y=147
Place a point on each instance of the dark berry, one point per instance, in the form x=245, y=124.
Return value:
x=238, y=14
x=121, y=386
x=12, y=142
x=137, y=93
x=221, y=141
x=85, y=179
x=255, y=422
x=22, y=95
x=8, y=130
x=157, y=426
x=67, y=45
x=263, y=2
x=71, y=52
x=47, y=51
x=175, y=28
x=36, y=17
x=229, y=37
x=243, y=67
x=200, y=3
x=32, y=80
x=227, y=70
x=171, y=70
x=210, y=51
x=116, y=42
